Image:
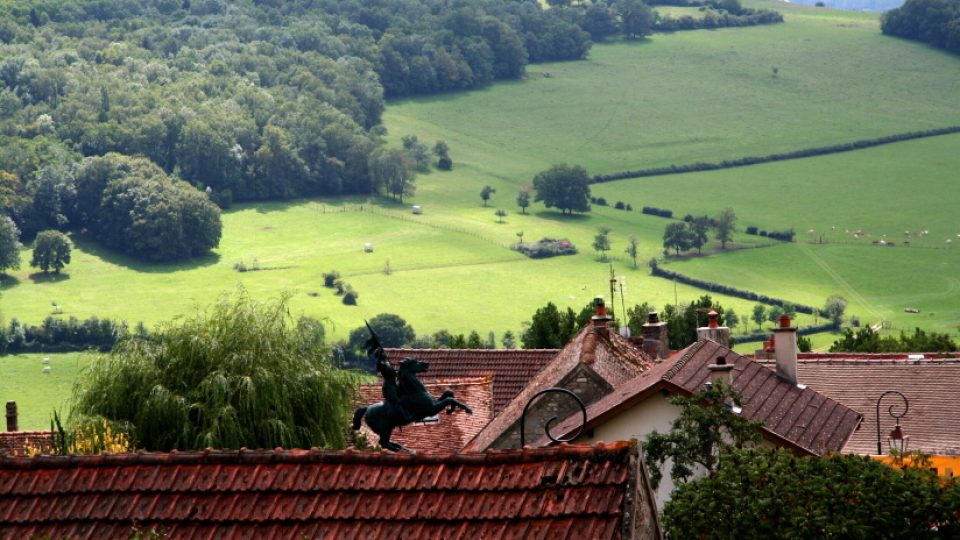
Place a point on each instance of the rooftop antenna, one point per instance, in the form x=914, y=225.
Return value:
x=613, y=291
x=623, y=307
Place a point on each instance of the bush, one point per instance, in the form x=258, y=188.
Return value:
x=350, y=297
x=751, y=230
x=660, y=212
x=547, y=247
x=619, y=205
x=62, y=335
x=330, y=279
x=445, y=164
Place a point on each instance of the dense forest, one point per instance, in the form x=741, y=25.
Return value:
x=115, y=112
x=936, y=22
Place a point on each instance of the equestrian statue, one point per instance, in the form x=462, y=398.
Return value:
x=405, y=399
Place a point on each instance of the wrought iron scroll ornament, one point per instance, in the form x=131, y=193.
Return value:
x=890, y=411
x=549, y=424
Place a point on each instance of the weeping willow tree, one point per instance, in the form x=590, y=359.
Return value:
x=241, y=374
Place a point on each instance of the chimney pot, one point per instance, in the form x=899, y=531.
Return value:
x=784, y=321
x=12, y=416
x=601, y=321
x=721, y=370
x=656, y=336
x=713, y=331
x=785, y=350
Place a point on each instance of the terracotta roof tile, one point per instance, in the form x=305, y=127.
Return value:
x=607, y=354
x=511, y=369
x=802, y=417
x=858, y=380
x=557, y=493
x=16, y=442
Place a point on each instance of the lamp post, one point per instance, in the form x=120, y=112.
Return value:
x=896, y=439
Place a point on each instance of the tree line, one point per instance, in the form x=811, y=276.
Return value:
x=936, y=22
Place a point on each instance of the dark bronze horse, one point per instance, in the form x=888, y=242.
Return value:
x=405, y=399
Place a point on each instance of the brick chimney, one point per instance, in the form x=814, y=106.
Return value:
x=601, y=321
x=12, y=416
x=713, y=331
x=721, y=371
x=656, y=339
x=785, y=350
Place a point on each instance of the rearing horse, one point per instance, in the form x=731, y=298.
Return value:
x=414, y=404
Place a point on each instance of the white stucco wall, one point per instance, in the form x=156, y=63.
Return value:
x=654, y=413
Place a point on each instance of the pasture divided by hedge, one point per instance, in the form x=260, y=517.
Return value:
x=720, y=288
x=756, y=160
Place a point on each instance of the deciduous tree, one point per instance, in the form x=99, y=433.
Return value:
x=726, y=226
x=632, y=245
x=565, y=187
x=677, y=236
x=240, y=374
x=9, y=245
x=834, y=308
x=485, y=194
x=51, y=250
x=523, y=200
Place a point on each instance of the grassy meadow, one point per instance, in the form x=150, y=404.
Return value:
x=37, y=393
x=670, y=99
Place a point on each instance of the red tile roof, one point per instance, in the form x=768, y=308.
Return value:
x=574, y=492
x=932, y=385
x=604, y=353
x=801, y=418
x=511, y=369
x=453, y=431
x=16, y=442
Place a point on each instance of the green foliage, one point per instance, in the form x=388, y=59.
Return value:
x=550, y=328
x=565, y=187
x=601, y=242
x=834, y=308
x=238, y=375
x=701, y=437
x=51, y=250
x=547, y=247
x=725, y=226
x=683, y=322
x=636, y=18
x=391, y=169
x=392, y=330
x=9, y=245
x=523, y=200
x=867, y=340
x=500, y=213
x=631, y=250
x=767, y=493
x=485, y=194
x=933, y=21
x=678, y=237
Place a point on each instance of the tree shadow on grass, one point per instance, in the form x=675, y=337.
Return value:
x=147, y=267
x=560, y=216
x=332, y=204
x=48, y=277
x=8, y=282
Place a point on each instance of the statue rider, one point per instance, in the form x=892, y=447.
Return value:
x=391, y=390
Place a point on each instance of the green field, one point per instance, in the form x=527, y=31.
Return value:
x=674, y=98
x=37, y=393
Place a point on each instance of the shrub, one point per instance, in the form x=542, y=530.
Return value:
x=660, y=212
x=445, y=164
x=751, y=230
x=350, y=297
x=330, y=279
x=601, y=201
x=547, y=247
x=619, y=205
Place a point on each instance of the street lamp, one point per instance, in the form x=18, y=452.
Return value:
x=897, y=440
